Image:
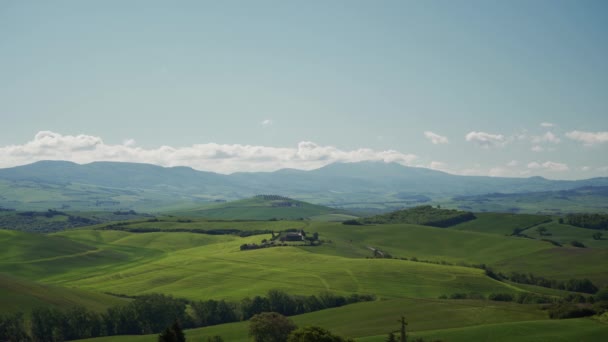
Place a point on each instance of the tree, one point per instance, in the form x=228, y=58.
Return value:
x=314, y=334
x=270, y=327
x=12, y=328
x=391, y=337
x=172, y=333
x=168, y=335
x=403, y=337
x=597, y=236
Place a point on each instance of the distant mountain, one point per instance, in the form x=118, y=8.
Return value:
x=351, y=186
x=587, y=198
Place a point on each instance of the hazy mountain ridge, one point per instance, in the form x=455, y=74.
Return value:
x=113, y=185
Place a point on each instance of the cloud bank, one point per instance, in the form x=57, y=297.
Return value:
x=588, y=138
x=222, y=158
x=436, y=138
x=548, y=137
x=549, y=166
x=486, y=140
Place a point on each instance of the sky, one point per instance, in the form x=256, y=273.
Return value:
x=498, y=88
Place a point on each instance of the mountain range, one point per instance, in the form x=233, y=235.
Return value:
x=379, y=185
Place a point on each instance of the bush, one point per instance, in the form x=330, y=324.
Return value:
x=458, y=296
x=577, y=244
x=532, y=298
x=501, y=297
x=568, y=310
x=352, y=223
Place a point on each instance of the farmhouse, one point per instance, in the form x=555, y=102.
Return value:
x=294, y=236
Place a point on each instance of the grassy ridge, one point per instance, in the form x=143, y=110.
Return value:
x=261, y=207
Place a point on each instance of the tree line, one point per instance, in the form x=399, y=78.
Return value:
x=424, y=215
x=574, y=285
x=153, y=313
x=591, y=221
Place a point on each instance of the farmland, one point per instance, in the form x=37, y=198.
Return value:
x=199, y=259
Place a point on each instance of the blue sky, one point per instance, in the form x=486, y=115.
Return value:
x=503, y=88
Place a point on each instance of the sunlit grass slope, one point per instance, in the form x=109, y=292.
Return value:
x=500, y=223
x=221, y=270
x=437, y=244
x=20, y=247
x=580, y=330
x=565, y=233
x=22, y=295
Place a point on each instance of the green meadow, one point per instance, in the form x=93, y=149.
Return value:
x=91, y=266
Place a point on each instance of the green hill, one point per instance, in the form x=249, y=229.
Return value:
x=502, y=223
x=178, y=261
x=265, y=207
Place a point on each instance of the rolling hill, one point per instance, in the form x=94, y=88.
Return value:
x=80, y=266
x=265, y=207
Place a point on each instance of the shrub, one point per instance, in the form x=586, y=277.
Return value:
x=568, y=310
x=577, y=244
x=501, y=297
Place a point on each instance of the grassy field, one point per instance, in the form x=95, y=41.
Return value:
x=501, y=223
x=22, y=295
x=429, y=243
x=205, y=266
x=76, y=267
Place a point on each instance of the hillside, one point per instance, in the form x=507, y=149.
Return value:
x=265, y=207
x=171, y=255
x=423, y=215
x=362, y=186
x=22, y=295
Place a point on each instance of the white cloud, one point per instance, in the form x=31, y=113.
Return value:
x=588, y=138
x=437, y=165
x=486, y=140
x=547, y=137
x=513, y=163
x=585, y=168
x=222, y=158
x=546, y=124
x=436, y=138
x=537, y=148
x=549, y=166
x=499, y=172
x=267, y=122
